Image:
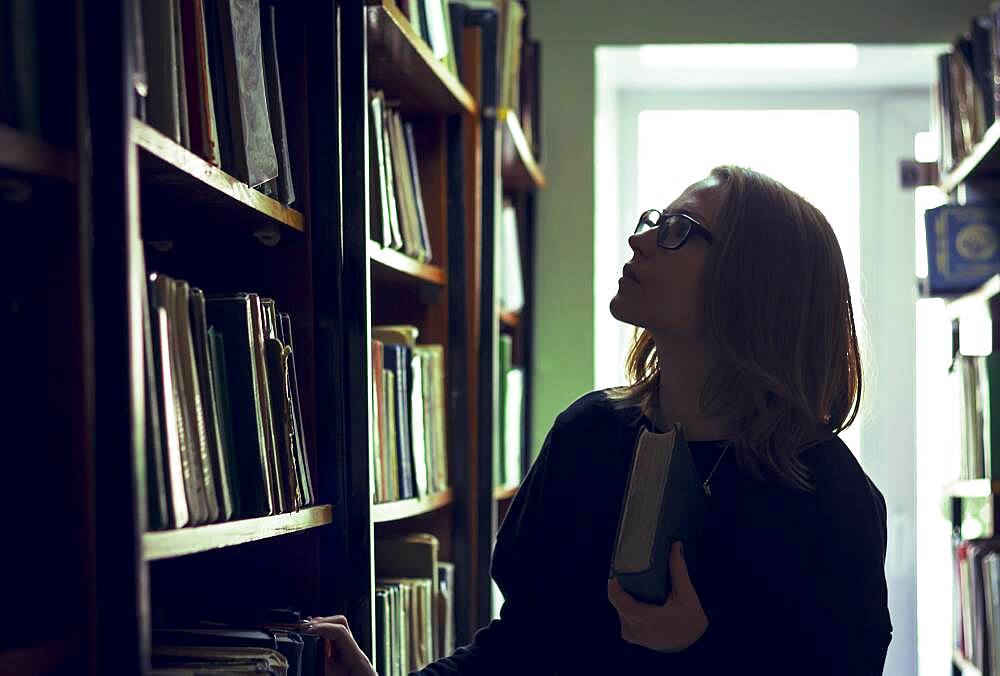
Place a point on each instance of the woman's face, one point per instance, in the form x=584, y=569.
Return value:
x=661, y=289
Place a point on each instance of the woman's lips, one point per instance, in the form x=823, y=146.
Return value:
x=629, y=273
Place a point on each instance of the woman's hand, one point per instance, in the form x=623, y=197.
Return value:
x=343, y=653
x=668, y=628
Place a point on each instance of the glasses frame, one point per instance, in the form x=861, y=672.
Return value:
x=661, y=232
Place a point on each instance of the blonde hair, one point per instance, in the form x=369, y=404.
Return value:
x=778, y=307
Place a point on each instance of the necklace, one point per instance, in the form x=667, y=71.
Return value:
x=705, y=484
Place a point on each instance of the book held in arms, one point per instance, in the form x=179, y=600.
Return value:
x=210, y=80
x=399, y=220
x=414, y=604
x=226, y=437
x=664, y=502
x=409, y=440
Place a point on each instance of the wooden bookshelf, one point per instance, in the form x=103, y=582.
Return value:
x=183, y=175
x=169, y=544
x=983, y=161
x=977, y=298
x=972, y=488
x=520, y=168
x=407, y=509
x=395, y=265
x=401, y=63
x=964, y=666
x=502, y=493
x=510, y=320
x=24, y=153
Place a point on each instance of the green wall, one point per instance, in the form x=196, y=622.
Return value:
x=569, y=32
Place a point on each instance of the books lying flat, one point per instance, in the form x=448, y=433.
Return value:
x=663, y=503
x=229, y=441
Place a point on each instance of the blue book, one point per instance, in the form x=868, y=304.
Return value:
x=963, y=247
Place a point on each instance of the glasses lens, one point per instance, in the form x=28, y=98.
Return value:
x=647, y=221
x=673, y=232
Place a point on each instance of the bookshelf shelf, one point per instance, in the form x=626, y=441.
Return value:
x=169, y=544
x=520, y=168
x=395, y=265
x=27, y=154
x=403, y=65
x=965, y=666
x=501, y=493
x=976, y=298
x=510, y=319
x=406, y=509
x=182, y=174
x=982, y=161
x=972, y=488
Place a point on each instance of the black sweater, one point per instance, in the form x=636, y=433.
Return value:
x=791, y=582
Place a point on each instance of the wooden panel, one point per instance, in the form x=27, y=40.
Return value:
x=182, y=541
x=405, y=509
x=24, y=153
x=179, y=174
x=402, y=64
x=389, y=263
x=520, y=169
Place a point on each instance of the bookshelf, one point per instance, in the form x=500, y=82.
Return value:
x=125, y=199
x=520, y=168
x=983, y=161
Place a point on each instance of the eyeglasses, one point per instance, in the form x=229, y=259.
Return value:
x=672, y=230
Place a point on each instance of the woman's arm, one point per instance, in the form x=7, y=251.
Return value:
x=523, y=570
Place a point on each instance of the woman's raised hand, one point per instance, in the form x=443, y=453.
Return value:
x=672, y=627
x=343, y=654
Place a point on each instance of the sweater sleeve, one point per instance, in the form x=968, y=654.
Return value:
x=852, y=627
x=523, y=564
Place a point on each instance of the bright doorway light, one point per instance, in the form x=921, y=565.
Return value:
x=751, y=57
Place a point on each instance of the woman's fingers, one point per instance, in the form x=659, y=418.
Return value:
x=332, y=619
x=623, y=602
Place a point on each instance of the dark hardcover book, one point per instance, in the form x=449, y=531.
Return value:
x=396, y=359
x=157, y=490
x=182, y=97
x=200, y=109
x=376, y=181
x=411, y=154
x=217, y=75
x=983, y=65
x=254, y=159
x=275, y=102
x=963, y=247
x=995, y=57
x=220, y=385
x=140, y=78
x=664, y=502
x=162, y=60
x=231, y=316
x=305, y=474
x=288, y=494
x=382, y=631
x=217, y=454
x=271, y=468
x=947, y=160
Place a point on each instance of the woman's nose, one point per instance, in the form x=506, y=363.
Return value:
x=637, y=241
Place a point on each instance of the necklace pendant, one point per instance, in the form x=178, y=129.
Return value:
x=708, y=490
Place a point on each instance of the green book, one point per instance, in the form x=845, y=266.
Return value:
x=664, y=502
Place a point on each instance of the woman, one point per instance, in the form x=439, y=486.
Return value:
x=746, y=338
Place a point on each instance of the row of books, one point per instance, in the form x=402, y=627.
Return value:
x=507, y=465
x=399, y=220
x=225, y=435
x=976, y=389
x=967, y=90
x=431, y=19
x=207, y=76
x=252, y=642
x=409, y=444
x=511, y=289
x=414, y=604
x=976, y=607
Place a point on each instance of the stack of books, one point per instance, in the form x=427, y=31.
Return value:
x=976, y=607
x=398, y=217
x=409, y=456
x=974, y=382
x=507, y=465
x=207, y=76
x=258, y=641
x=431, y=19
x=966, y=91
x=225, y=435
x=414, y=604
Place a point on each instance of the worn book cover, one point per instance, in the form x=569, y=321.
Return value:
x=664, y=502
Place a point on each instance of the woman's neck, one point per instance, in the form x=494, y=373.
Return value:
x=684, y=367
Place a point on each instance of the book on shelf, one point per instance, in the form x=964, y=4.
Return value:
x=223, y=392
x=208, y=77
x=663, y=503
x=963, y=247
x=408, y=382
x=510, y=41
x=399, y=220
x=432, y=22
x=976, y=604
x=511, y=279
x=414, y=603
x=513, y=403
